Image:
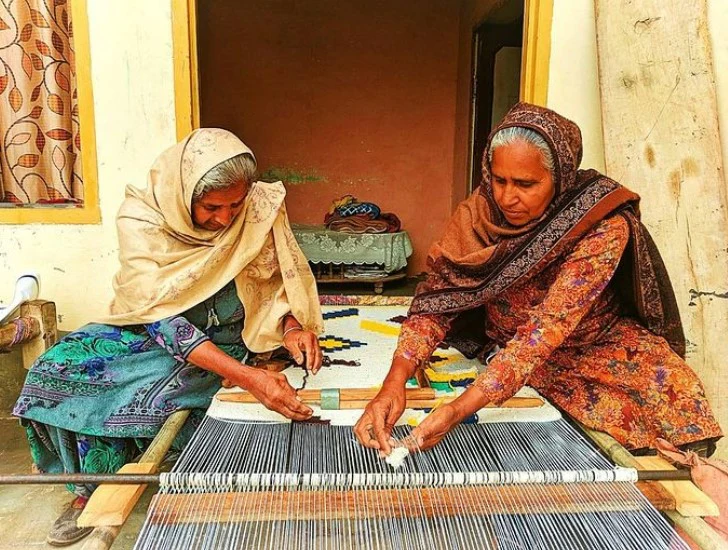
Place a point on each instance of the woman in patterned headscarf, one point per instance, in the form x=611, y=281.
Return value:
x=552, y=264
x=210, y=271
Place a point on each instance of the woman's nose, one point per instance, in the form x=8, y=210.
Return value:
x=224, y=216
x=510, y=196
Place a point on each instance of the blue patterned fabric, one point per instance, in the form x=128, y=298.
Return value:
x=102, y=388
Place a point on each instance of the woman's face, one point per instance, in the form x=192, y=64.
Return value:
x=522, y=186
x=216, y=210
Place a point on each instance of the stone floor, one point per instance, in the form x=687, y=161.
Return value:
x=28, y=511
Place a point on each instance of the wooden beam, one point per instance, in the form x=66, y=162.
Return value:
x=9, y=336
x=103, y=536
x=380, y=503
x=44, y=312
x=358, y=398
x=111, y=504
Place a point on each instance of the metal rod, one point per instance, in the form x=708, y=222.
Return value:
x=144, y=479
x=664, y=475
x=50, y=479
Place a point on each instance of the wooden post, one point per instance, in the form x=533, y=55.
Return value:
x=661, y=139
x=44, y=313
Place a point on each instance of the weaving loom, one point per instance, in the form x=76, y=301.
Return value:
x=249, y=480
x=261, y=485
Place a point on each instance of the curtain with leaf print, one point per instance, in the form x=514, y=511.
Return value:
x=40, y=147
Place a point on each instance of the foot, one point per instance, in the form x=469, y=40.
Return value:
x=65, y=530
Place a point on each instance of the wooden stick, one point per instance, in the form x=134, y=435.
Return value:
x=8, y=332
x=358, y=398
x=378, y=503
x=700, y=532
x=103, y=536
x=112, y=502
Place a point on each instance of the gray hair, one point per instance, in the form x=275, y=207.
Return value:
x=512, y=134
x=226, y=174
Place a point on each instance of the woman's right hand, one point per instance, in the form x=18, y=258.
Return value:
x=374, y=428
x=273, y=390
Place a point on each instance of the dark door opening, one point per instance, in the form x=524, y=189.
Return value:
x=496, y=82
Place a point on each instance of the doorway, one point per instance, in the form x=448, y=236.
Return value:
x=497, y=54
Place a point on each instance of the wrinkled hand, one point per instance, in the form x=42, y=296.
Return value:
x=433, y=428
x=273, y=390
x=374, y=428
x=298, y=342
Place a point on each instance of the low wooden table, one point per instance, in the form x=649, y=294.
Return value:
x=335, y=256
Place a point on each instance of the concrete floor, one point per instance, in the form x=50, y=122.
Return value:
x=27, y=512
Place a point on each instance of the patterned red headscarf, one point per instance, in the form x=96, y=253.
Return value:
x=481, y=255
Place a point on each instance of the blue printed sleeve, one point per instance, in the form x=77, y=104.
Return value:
x=177, y=335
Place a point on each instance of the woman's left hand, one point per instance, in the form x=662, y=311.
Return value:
x=298, y=342
x=433, y=428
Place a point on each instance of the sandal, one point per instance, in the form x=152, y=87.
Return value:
x=65, y=530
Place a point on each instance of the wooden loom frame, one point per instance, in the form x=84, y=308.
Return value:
x=668, y=497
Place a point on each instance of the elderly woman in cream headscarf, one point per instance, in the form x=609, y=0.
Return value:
x=210, y=272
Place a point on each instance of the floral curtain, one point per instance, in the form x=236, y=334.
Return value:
x=40, y=147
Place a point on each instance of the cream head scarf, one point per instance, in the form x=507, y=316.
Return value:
x=168, y=265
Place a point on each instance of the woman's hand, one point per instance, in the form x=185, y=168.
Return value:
x=273, y=390
x=270, y=388
x=298, y=342
x=374, y=428
x=444, y=418
x=433, y=428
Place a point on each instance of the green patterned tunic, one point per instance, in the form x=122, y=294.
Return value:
x=94, y=400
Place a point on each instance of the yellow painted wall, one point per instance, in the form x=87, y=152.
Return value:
x=574, y=91
x=131, y=58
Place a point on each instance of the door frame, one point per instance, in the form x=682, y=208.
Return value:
x=186, y=79
x=538, y=15
x=537, y=19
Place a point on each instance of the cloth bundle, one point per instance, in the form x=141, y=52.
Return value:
x=348, y=215
x=710, y=475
